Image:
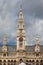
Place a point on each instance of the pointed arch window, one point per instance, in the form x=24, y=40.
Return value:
x=21, y=41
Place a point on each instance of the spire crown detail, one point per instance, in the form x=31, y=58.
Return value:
x=21, y=15
x=20, y=20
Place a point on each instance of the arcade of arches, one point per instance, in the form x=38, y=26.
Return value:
x=28, y=62
x=9, y=62
x=37, y=62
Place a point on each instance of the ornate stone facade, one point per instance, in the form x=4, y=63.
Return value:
x=10, y=55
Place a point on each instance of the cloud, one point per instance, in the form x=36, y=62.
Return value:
x=33, y=7
x=33, y=19
x=7, y=17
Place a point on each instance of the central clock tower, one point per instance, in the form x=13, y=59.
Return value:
x=21, y=37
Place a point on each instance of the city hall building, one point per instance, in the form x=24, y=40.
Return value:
x=11, y=55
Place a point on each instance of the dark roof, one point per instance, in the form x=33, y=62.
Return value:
x=41, y=48
x=11, y=48
x=28, y=48
x=32, y=48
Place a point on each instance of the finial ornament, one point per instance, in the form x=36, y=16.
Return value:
x=21, y=9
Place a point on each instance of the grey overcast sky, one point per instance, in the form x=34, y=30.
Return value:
x=33, y=19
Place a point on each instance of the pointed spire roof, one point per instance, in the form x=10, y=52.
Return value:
x=21, y=18
x=5, y=39
x=20, y=28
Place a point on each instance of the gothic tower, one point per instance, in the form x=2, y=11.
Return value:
x=37, y=45
x=4, y=48
x=21, y=37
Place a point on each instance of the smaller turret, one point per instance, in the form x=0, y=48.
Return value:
x=37, y=45
x=5, y=40
x=4, y=48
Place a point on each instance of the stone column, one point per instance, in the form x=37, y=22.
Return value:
x=2, y=62
x=39, y=62
x=6, y=62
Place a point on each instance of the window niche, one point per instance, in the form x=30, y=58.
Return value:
x=21, y=41
x=4, y=54
x=37, y=54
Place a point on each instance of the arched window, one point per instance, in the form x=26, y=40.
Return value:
x=41, y=62
x=37, y=62
x=14, y=62
x=4, y=54
x=37, y=54
x=20, y=39
x=32, y=60
x=29, y=60
x=0, y=60
x=11, y=60
x=26, y=62
x=8, y=62
x=4, y=61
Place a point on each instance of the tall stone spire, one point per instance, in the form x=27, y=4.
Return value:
x=37, y=45
x=5, y=39
x=4, y=47
x=20, y=32
x=21, y=20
